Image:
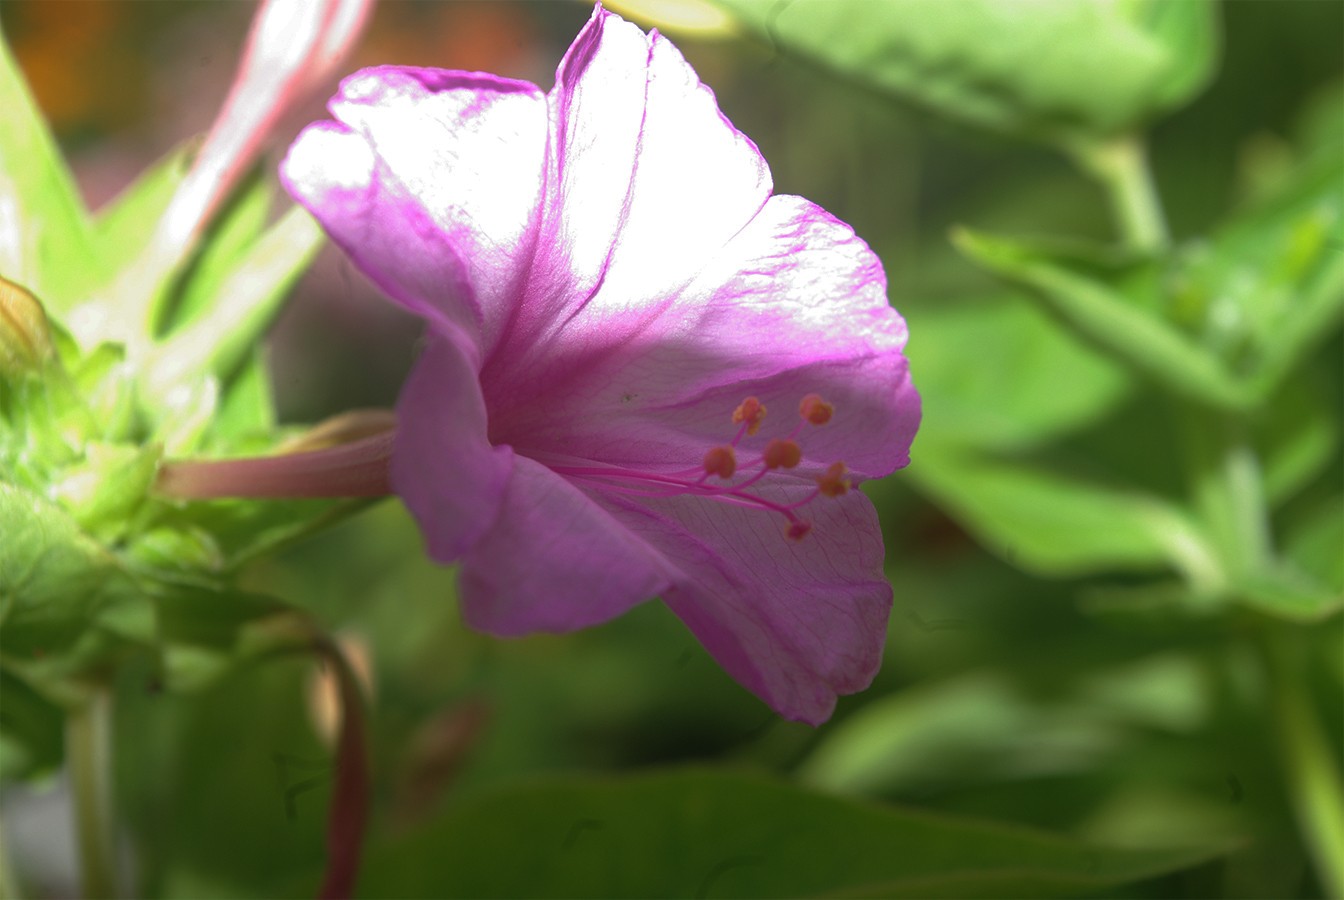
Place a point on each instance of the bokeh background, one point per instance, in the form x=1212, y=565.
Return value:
x=1005, y=693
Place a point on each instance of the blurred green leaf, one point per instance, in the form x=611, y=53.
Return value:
x=45, y=243
x=1297, y=438
x=1289, y=594
x=1314, y=543
x=1002, y=375
x=715, y=834
x=986, y=727
x=1055, y=523
x=1105, y=318
x=224, y=791
x=54, y=581
x=31, y=731
x=1054, y=70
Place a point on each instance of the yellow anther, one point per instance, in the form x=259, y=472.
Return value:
x=782, y=454
x=751, y=411
x=834, y=483
x=816, y=410
x=720, y=461
x=798, y=530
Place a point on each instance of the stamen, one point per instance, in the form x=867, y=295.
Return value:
x=834, y=483
x=782, y=454
x=720, y=461
x=749, y=413
x=815, y=410
x=719, y=477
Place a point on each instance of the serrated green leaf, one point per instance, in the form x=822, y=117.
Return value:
x=715, y=834
x=1057, y=524
x=44, y=229
x=1003, y=376
x=1054, y=70
x=1106, y=319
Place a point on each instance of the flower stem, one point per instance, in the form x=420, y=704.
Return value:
x=1121, y=166
x=88, y=740
x=355, y=469
x=349, y=814
x=1310, y=767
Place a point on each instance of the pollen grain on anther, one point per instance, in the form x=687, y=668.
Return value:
x=815, y=410
x=782, y=454
x=749, y=413
x=720, y=461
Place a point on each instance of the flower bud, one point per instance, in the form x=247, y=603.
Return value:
x=25, y=336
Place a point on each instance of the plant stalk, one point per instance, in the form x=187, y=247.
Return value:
x=1311, y=768
x=1121, y=166
x=88, y=740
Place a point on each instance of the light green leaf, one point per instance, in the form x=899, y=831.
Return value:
x=1108, y=320
x=1289, y=594
x=45, y=243
x=122, y=229
x=715, y=834
x=1054, y=523
x=1002, y=375
x=1055, y=70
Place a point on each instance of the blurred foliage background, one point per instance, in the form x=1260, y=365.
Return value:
x=1019, y=686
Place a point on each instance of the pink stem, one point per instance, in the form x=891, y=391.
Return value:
x=348, y=816
x=355, y=469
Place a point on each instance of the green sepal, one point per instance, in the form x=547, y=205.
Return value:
x=44, y=229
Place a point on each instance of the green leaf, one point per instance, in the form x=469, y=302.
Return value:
x=1105, y=318
x=31, y=731
x=54, y=581
x=985, y=727
x=1296, y=439
x=45, y=242
x=1313, y=544
x=965, y=355
x=1053, y=523
x=714, y=834
x=1055, y=70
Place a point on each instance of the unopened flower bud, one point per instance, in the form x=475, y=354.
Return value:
x=25, y=335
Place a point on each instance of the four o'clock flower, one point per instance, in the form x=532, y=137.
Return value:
x=644, y=374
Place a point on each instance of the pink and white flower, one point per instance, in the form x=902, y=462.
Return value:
x=644, y=374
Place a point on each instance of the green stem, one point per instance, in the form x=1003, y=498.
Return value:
x=89, y=752
x=1121, y=166
x=1311, y=768
x=9, y=887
